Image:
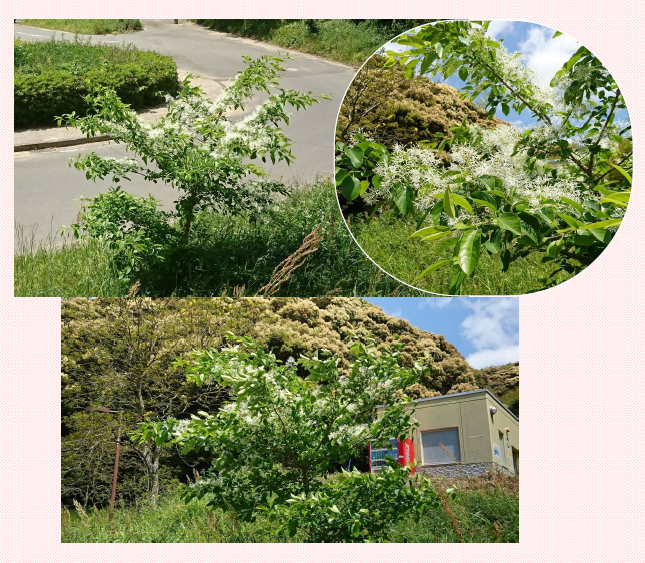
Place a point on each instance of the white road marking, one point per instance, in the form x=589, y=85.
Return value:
x=67, y=150
x=31, y=34
x=291, y=69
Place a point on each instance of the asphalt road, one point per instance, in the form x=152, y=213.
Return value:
x=46, y=189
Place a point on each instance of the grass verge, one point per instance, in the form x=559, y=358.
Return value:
x=484, y=510
x=346, y=41
x=230, y=255
x=386, y=239
x=89, y=27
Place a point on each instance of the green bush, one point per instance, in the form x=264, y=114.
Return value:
x=52, y=78
x=350, y=507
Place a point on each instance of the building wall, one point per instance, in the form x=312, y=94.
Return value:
x=498, y=423
x=468, y=414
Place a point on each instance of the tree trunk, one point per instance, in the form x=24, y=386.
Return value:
x=151, y=455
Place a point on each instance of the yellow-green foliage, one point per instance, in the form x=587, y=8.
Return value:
x=391, y=109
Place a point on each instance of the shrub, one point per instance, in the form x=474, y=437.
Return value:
x=354, y=506
x=54, y=78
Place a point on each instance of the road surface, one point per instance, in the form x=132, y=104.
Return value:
x=46, y=189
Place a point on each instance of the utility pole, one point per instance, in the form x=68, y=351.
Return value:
x=116, y=467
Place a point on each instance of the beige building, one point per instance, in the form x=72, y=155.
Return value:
x=465, y=433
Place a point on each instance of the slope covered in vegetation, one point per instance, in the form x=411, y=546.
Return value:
x=391, y=109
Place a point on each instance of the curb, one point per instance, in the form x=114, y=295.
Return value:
x=65, y=143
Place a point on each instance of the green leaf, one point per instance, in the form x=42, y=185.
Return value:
x=554, y=248
x=355, y=155
x=436, y=212
x=603, y=235
x=573, y=204
x=556, y=34
x=335, y=509
x=531, y=227
x=455, y=283
x=403, y=198
x=350, y=188
x=506, y=259
x=623, y=172
x=620, y=198
x=364, y=185
x=432, y=268
x=463, y=73
x=462, y=202
x=602, y=224
x=510, y=222
x=436, y=236
x=427, y=231
x=293, y=527
x=449, y=203
x=469, y=251
x=573, y=223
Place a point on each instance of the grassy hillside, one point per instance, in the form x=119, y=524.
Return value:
x=484, y=510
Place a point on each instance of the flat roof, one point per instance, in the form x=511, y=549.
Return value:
x=475, y=392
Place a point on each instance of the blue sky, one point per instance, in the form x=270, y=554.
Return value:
x=542, y=53
x=484, y=329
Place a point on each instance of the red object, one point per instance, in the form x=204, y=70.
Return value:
x=402, y=451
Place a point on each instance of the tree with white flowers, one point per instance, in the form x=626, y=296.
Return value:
x=197, y=149
x=281, y=432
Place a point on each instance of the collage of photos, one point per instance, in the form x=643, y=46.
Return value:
x=290, y=255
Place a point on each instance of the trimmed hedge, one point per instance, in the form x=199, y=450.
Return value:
x=41, y=94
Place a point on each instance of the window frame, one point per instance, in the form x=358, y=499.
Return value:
x=451, y=461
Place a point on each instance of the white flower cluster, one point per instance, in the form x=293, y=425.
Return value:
x=493, y=155
x=349, y=433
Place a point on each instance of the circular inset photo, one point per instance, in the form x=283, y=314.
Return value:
x=483, y=157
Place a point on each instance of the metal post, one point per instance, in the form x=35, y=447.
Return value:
x=116, y=467
x=175, y=21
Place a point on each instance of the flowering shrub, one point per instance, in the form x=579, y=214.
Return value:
x=281, y=432
x=558, y=187
x=195, y=148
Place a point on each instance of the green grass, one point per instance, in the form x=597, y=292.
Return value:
x=89, y=27
x=346, y=41
x=62, y=268
x=386, y=239
x=230, y=255
x=486, y=509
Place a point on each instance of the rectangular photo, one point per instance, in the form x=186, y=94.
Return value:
x=326, y=419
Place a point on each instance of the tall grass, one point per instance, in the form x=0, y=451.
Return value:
x=61, y=267
x=226, y=255
x=386, y=239
x=485, y=509
x=89, y=27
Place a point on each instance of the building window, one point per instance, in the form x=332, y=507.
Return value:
x=433, y=453
x=502, y=450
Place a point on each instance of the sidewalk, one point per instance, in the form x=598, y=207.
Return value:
x=50, y=137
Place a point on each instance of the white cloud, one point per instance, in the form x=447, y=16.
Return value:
x=546, y=55
x=396, y=313
x=493, y=330
x=497, y=357
x=434, y=302
x=497, y=26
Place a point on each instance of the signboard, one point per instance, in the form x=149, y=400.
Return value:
x=495, y=450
